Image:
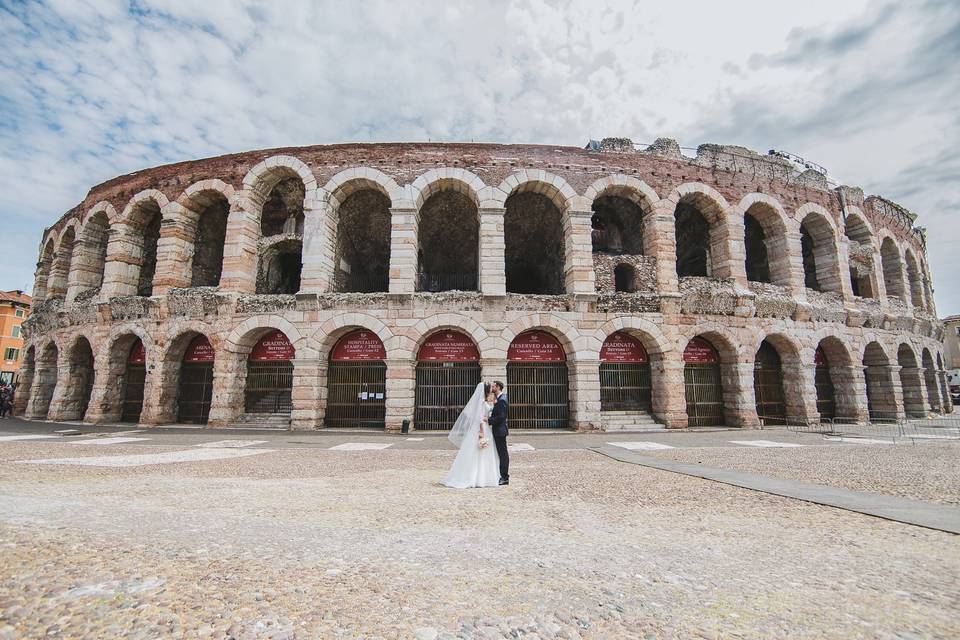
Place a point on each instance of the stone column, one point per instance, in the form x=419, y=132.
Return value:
x=800, y=393
x=240, y=251
x=493, y=277
x=494, y=369
x=321, y=217
x=660, y=243
x=403, y=250
x=152, y=413
x=946, y=398
x=59, y=409
x=42, y=391
x=40, y=278
x=121, y=272
x=728, y=248
x=668, y=395
x=229, y=382
x=896, y=392
x=850, y=391
x=105, y=397
x=175, y=249
x=739, y=400
x=794, y=259
x=24, y=389
x=914, y=392
x=843, y=268
x=401, y=389
x=584, y=382
x=578, y=250
x=305, y=394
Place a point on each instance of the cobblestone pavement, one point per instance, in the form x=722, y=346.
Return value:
x=305, y=543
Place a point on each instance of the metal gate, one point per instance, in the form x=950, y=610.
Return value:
x=133, y=385
x=538, y=395
x=768, y=386
x=269, y=386
x=625, y=387
x=704, y=393
x=195, y=392
x=356, y=394
x=826, y=398
x=443, y=389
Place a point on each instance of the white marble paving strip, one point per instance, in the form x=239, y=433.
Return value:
x=859, y=440
x=229, y=444
x=141, y=460
x=361, y=446
x=26, y=437
x=414, y=439
x=105, y=441
x=765, y=443
x=519, y=446
x=932, y=436
x=641, y=446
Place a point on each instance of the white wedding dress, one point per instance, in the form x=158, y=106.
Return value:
x=473, y=466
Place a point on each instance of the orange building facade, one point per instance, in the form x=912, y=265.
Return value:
x=14, y=309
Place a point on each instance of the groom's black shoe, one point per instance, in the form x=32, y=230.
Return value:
x=503, y=482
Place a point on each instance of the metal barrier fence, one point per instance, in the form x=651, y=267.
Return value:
x=890, y=428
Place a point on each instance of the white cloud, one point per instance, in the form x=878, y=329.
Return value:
x=91, y=90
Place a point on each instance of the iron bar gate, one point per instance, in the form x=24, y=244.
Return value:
x=704, y=394
x=356, y=393
x=133, y=384
x=826, y=396
x=195, y=392
x=443, y=389
x=625, y=386
x=538, y=395
x=768, y=386
x=269, y=387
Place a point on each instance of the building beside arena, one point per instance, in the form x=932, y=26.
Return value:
x=359, y=285
x=14, y=310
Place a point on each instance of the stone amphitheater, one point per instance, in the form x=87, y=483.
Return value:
x=364, y=285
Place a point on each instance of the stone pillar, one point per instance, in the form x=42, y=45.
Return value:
x=403, y=250
x=22, y=395
x=321, y=217
x=584, y=382
x=121, y=272
x=305, y=394
x=914, y=392
x=42, y=391
x=800, y=393
x=41, y=276
x=153, y=413
x=229, y=382
x=668, y=395
x=578, y=251
x=850, y=391
x=105, y=397
x=64, y=403
x=945, y=396
x=493, y=276
x=728, y=249
x=240, y=251
x=896, y=389
x=794, y=259
x=843, y=269
x=175, y=249
x=494, y=369
x=401, y=389
x=739, y=400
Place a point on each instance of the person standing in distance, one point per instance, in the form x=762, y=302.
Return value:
x=500, y=429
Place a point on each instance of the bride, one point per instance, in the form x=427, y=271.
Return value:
x=477, y=463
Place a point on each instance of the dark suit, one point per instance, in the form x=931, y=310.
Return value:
x=501, y=429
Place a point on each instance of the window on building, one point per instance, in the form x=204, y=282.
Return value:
x=16, y=331
x=10, y=353
x=19, y=313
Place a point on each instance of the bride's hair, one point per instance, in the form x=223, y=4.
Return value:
x=486, y=389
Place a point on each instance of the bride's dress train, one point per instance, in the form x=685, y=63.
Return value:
x=473, y=466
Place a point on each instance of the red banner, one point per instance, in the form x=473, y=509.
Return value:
x=138, y=355
x=199, y=350
x=448, y=346
x=621, y=347
x=699, y=351
x=536, y=346
x=820, y=358
x=273, y=346
x=358, y=345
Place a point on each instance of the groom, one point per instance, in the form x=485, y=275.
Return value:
x=498, y=424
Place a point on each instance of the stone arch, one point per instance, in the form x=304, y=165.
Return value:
x=882, y=400
x=818, y=248
x=170, y=359
x=44, y=382
x=25, y=389
x=702, y=232
x=725, y=374
x=347, y=182
x=574, y=344
x=621, y=205
x=140, y=225
x=914, y=279
x=200, y=214
x=552, y=186
x=332, y=330
x=112, y=371
x=57, y=285
x=843, y=375
x=794, y=384
x=766, y=245
x=860, y=237
x=87, y=270
x=930, y=374
x=264, y=176
x=79, y=379
x=426, y=327
x=911, y=382
x=648, y=333
x=242, y=338
x=892, y=265
x=448, y=230
x=41, y=277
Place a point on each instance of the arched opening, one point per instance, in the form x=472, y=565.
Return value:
x=860, y=243
x=42, y=279
x=537, y=382
x=209, y=240
x=80, y=380
x=280, y=267
x=145, y=220
x=92, y=254
x=362, y=259
x=930, y=380
x=755, y=241
x=944, y=388
x=281, y=244
x=693, y=241
x=195, y=386
x=892, y=269
x=60, y=273
x=449, y=243
x=534, y=244
x=617, y=224
x=448, y=371
x=881, y=401
x=915, y=281
x=768, y=385
x=45, y=381
x=625, y=278
x=269, y=380
x=910, y=383
x=625, y=383
x=134, y=383
x=818, y=248
x=823, y=383
x=703, y=384
x=23, y=389
x=357, y=382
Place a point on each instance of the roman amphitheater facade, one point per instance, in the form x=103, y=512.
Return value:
x=361, y=285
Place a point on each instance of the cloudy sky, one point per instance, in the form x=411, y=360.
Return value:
x=91, y=89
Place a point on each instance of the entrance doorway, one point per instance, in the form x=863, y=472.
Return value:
x=702, y=384
x=768, y=385
x=270, y=375
x=195, y=390
x=624, y=374
x=826, y=396
x=448, y=371
x=134, y=382
x=357, y=382
x=537, y=382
